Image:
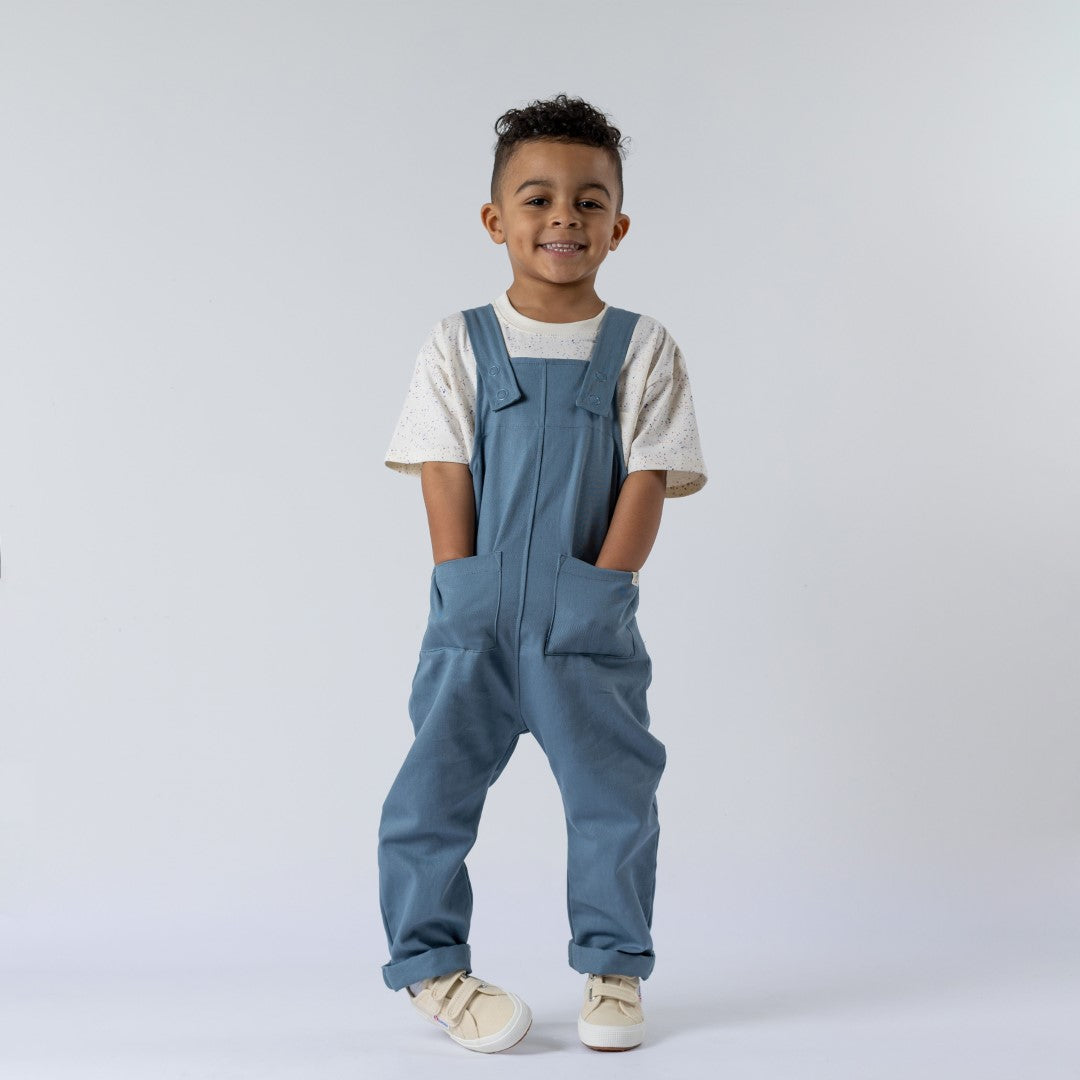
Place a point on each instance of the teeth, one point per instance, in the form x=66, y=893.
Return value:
x=561, y=247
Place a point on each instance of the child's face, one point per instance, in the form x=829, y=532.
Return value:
x=550, y=193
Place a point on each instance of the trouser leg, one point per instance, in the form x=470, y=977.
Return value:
x=429, y=823
x=608, y=766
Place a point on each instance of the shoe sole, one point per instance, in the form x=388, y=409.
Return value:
x=609, y=1037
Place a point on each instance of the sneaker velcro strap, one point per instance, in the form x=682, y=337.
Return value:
x=619, y=991
x=461, y=997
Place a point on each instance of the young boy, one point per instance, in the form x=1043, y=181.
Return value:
x=547, y=428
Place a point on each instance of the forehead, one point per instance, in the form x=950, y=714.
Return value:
x=559, y=161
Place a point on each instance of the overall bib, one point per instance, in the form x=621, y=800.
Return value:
x=528, y=635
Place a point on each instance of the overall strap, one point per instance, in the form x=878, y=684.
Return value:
x=501, y=388
x=609, y=352
x=493, y=365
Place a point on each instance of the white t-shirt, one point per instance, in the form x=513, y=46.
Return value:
x=656, y=409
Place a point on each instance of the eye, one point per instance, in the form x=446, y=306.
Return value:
x=590, y=202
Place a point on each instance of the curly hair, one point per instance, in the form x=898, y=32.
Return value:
x=562, y=119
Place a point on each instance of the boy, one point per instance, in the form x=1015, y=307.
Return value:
x=547, y=429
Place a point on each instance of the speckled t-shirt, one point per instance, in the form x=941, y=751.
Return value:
x=656, y=409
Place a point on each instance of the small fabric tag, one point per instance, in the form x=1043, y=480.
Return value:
x=633, y=580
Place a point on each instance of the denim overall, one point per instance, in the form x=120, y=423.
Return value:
x=528, y=635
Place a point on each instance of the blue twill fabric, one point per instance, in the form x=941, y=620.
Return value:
x=528, y=635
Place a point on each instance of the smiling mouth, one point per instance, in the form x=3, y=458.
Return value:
x=563, y=249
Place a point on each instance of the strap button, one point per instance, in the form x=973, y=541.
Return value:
x=494, y=369
x=594, y=398
x=502, y=394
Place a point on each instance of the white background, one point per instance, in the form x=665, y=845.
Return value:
x=227, y=228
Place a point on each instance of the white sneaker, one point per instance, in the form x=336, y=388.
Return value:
x=473, y=1013
x=612, y=1017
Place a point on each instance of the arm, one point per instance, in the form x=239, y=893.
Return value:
x=451, y=508
x=635, y=522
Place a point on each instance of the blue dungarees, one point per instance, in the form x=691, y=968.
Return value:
x=528, y=635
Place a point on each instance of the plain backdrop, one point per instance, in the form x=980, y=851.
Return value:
x=225, y=230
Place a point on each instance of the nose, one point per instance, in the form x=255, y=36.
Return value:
x=564, y=213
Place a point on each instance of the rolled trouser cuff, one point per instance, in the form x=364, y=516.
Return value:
x=427, y=965
x=610, y=961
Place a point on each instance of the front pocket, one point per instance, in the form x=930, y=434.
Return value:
x=594, y=609
x=464, y=603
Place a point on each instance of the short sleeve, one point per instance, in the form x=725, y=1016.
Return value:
x=666, y=435
x=437, y=419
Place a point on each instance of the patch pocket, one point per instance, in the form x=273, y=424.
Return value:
x=594, y=609
x=464, y=603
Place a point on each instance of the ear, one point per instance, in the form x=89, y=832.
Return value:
x=489, y=215
x=619, y=230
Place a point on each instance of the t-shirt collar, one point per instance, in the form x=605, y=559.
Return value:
x=509, y=314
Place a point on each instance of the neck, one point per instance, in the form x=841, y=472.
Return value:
x=558, y=305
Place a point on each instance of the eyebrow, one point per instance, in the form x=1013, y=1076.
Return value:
x=551, y=183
